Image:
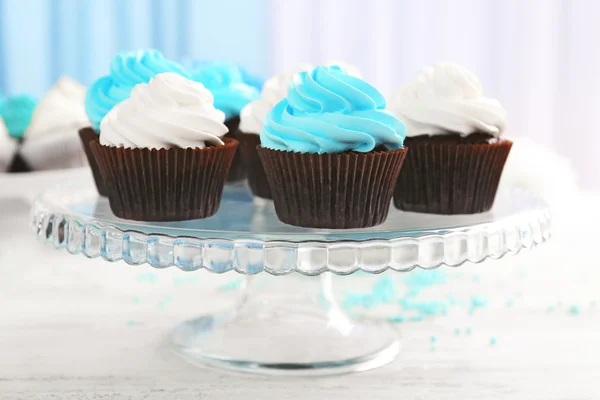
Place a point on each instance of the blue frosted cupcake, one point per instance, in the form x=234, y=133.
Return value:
x=232, y=90
x=17, y=111
x=127, y=69
x=331, y=151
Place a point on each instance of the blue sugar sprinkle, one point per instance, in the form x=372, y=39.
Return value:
x=433, y=348
x=468, y=331
x=131, y=322
x=236, y=284
x=433, y=339
x=396, y=319
x=150, y=277
x=457, y=331
x=476, y=278
x=574, y=310
x=510, y=302
x=551, y=308
x=493, y=340
x=477, y=302
x=163, y=303
x=385, y=289
x=186, y=279
x=137, y=300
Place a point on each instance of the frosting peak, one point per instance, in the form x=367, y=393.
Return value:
x=62, y=107
x=170, y=111
x=227, y=83
x=274, y=90
x=447, y=98
x=127, y=69
x=329, y=111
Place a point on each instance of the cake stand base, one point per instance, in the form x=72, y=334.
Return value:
x=286, y=326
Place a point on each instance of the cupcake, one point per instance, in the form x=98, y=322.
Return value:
x=8, y=148
x=162, y=154
x=51, y=139
x=232, y=93
x=16, y=113
x=331, y=151
x=454, y=134
x=127, y=69
x=251, y=124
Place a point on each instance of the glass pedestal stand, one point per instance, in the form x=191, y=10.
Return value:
x=288, y=322
x=286, y=325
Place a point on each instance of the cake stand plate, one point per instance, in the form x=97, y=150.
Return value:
x=288, y=325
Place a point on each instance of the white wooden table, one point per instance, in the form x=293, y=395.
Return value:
x=72, y=328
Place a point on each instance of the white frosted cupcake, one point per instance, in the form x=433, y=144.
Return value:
x=252, y=119
x=51, y=141
x=162, y=152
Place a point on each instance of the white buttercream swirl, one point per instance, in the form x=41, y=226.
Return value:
x=274, y=90
x=61, y=109
x=170, y=111
x=447, y=98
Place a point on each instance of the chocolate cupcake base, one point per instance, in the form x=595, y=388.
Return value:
x=339, y=191
x=237, y=171
x=87, y=136
x=167, y=184
x=257, y=179
x=450, y=176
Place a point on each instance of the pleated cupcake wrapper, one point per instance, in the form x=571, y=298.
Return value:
x=87, y=136
x=8, y=150
x=237, y=171
x=341, y=190
x=257, y=179
x=450, y=178
x=167, y=184
x=54, y=150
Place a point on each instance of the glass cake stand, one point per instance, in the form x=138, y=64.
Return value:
x=287, y=322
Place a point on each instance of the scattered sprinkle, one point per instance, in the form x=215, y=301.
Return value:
x=574, y=310
x=476, y=278
x=433, y=348
x=137, y=299
x=396, y=319
x=468, y=331
x=131, y=322
x=493, y=340
x=166, y=300
x=510, y=302
x=457, y=331
x=150, y=277
x=433, y=339
x=551, y=308
x=235, y=284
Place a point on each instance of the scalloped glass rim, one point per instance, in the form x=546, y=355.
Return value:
x=62, y=217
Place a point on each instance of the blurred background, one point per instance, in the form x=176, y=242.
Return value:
x=535, y=55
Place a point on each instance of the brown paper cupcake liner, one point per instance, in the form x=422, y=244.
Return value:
x=237, y=171
x=340, y=190
x=167, y=184
x=447, y=178
x=87, y=136
x=257, y=179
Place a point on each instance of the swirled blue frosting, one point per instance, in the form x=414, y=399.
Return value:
x=16, y=112
x=329, y=111
x=127, y=69
x=228, y=84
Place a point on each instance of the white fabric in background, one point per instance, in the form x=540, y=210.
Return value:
x=538, y=57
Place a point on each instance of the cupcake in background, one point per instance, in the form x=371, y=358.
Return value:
x=454, y=135
x=8, y=148
x=162, y=152
x=331, y=151
x=127, y=69
x=232, y=93
x=252, y=118
x=17, y=111
x=51, y=139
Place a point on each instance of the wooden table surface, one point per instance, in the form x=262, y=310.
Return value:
x=73, y=328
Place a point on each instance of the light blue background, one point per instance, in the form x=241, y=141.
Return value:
x=44, y=39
